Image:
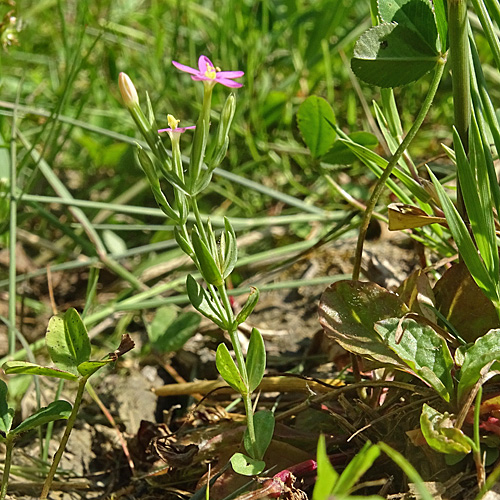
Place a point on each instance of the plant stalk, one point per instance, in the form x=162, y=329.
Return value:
x=64, y=440
x=438, y=73
x=460, y=73
x=9, y=445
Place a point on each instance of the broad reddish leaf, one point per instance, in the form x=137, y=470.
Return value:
x=463, y=304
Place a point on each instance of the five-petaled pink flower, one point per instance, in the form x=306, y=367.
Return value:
x=208, y=72
x=173, y=122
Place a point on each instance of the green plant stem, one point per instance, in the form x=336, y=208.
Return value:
x=476, y=450
x=460, y=71
x=12, y=241
x=9, y=445
x=64, y=440
x=438, y=73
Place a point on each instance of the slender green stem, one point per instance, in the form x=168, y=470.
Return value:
x=199, y=222
x=460, y=73
x=476, y=451
x=64, y=440
x=9, y=445
x=438, y=73
x=12, y=240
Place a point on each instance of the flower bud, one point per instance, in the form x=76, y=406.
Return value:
x=128, y=91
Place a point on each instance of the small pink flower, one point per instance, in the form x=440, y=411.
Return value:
x=173, y=122
x=208, y=72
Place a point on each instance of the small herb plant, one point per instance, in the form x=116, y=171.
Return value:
x=69, y=348
x=447, y=335
x=214, y=256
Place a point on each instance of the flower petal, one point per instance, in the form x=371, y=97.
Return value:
x=185, y=68
x=228, y=83
x=203, y=62
x=230, y=74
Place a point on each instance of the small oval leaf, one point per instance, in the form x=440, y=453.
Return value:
x=246, y=466
x=256, y=360
x=228, y=369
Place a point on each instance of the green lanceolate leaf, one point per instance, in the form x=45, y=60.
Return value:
x=228, y=369
x=171, y=336
x=485, y=350
x=312, y=118
x=391, y=55
x=202, y=302
x=56, y=410
x=340, y=154
x=440, y=434
x=264, y=426
x=249, y=305
x=6, y=413
x=230, y=251
x=441, y=23
x=208, y=267
x=348, y=311
x=11, y=367
x=256, y=360
x=184, y=244
x=465, y=244
x=327, y=476
x=68, y=341
x=246, y=466
x=413, y=14
x=422, y=349
x=363, y=460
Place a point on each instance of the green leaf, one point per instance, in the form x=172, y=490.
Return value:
x=460, y=300
x=184, y=244
x=340, y=154
x=246, y=466
x=32, y=369
x=348, y=311
x=440, y=434
x=264, y=429
x=327, y=476
x=202, y=302
x=230, y=253
x=465, y=244
x=88, y=368
x=441, y=23
x=363, y=460
x=422, y=349
x=477, y=196
x=228, y=369
x=408, y=469
x=485, y=350
x=391, y=55
x=413, y=14
x=208, y=267
x=68, y=341
x=256, y=360
x=312, y=118
x=56, y=410
x=6, y=413
x=249, y=305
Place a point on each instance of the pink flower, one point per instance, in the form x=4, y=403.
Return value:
x=208, y=72
x=173, y=122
